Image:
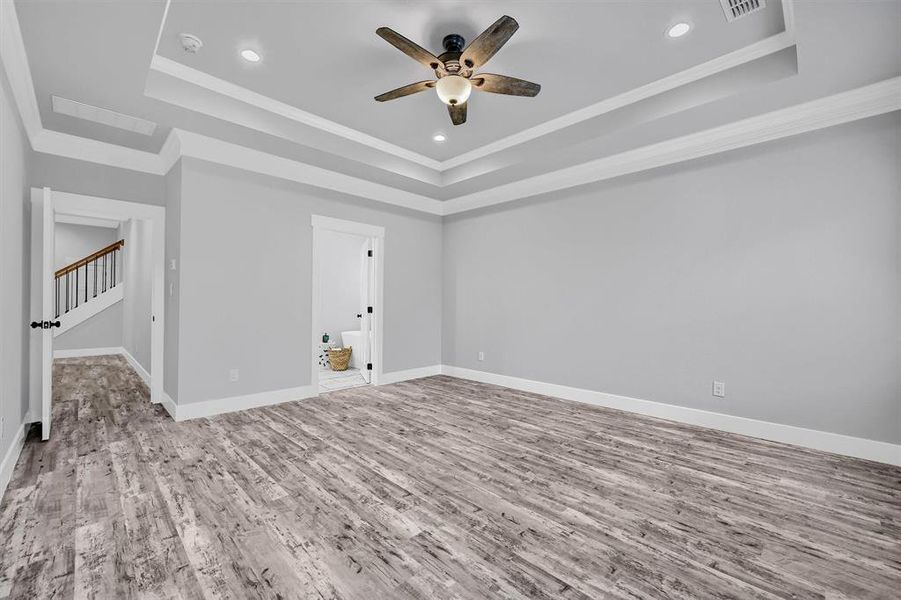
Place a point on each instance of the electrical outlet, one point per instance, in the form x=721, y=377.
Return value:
x=233, y=374
x=719, y=389
x=481, y=356
x=171, y=264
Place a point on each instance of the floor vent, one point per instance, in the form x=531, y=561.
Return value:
x=736, y=9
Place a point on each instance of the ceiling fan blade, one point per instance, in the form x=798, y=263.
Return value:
x=489, y=42
x=413, y=88
x=411, y=49
x=457, y=113
x=501, y=84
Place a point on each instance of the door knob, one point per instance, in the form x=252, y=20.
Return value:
x=44, y=324
x=36, y=324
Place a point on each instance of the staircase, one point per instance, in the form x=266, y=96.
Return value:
x=88, y=286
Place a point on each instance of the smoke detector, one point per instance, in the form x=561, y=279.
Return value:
x=191, y=43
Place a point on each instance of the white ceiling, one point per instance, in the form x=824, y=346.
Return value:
x=325, y=59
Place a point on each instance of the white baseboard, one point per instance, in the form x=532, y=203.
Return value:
x=77, y=352
x=397, y=376
x=12, y=456
x=208, y=408
x=809, y=438
x=170, y=406
x=141, y=371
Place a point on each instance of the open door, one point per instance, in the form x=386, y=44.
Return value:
x=366, y=279
x=42, y=306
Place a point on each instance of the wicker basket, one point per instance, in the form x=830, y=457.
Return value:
x=338, y=358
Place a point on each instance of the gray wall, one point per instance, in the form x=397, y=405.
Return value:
x=74, y=242
x=15, y=270
x=245, y=274
x=81, y=177
x=173, y=287
x=775, y=269
x=340, y=275
x=103, y=330
x=136, y=305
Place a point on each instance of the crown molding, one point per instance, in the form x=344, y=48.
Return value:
x=770, y=45
x=860, y=103
x=196, y=77
x=844, y=107
x=15, y=61
x=214, y=150
x=755, y=51
x=48, y=141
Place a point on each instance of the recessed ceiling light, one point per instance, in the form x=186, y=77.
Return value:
x=678, y=30
x=439, y=137
x=250, y=56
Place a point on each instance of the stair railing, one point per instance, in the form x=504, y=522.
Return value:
x=73, y=283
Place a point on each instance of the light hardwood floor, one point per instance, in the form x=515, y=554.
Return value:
x=430, y=489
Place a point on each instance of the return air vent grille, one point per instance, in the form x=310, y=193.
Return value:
x=64, y=106
x=736, y=9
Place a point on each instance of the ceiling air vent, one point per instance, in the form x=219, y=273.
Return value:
x=736, y=9
x=79, y=110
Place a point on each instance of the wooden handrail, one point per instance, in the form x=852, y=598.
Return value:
x=99, y=254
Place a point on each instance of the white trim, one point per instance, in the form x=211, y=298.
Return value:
x=765, y=47
x=408, y=374
x=196, y=77
x=351, y=227
x=169, y=404
x=48, y=141
x=92, y=307
x=248, y=159
x=376, y=236
x=93, y=206
x=208, y=408
x=867, y=101
x=79, y=352
x=133, y=362
x=89, y=221
x=8, y=466
x=788, y=434
x=15, y=62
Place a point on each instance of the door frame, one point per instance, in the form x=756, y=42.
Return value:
x=376, y=236
x=79, y=205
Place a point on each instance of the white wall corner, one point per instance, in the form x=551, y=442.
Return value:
x=788, y=434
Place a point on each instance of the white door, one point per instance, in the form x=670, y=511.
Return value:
x=43, y=311
x=366, y=321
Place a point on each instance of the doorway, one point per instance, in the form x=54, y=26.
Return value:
x=346, y=304
x=90, y=282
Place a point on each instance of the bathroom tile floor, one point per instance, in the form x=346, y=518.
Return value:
x=330, y=381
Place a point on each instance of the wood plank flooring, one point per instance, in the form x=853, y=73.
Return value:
x=431, y=489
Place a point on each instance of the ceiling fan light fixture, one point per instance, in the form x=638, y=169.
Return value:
x=453, y=89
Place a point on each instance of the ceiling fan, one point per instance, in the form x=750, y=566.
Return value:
x=455, y=69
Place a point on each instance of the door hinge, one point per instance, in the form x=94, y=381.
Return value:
x=369, y=309
x=368, y=366
x=369, y=253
